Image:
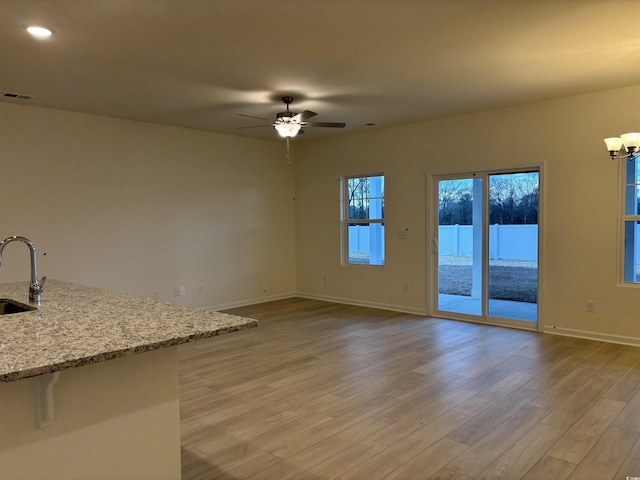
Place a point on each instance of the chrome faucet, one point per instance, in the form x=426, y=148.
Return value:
x=35, y=289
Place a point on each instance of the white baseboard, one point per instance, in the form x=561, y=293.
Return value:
x=568, y=332
x=253, y=301
x=601, y=337
x=360, y=303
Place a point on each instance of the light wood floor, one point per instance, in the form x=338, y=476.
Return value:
x=325, y=391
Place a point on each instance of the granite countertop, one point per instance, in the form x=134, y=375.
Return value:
x=78, y=325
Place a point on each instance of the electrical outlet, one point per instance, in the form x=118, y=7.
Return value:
x=325, y=279
x=156, y=295
x=179, y=291
x=591, y=306
x=405, y=288
x=200, y=288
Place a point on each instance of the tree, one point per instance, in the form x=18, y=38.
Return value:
x=357, y=192
x=455, y=202
x=526, y=189
x=359, y=197
x=513, y=199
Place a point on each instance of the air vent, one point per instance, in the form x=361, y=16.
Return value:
x=19, y=96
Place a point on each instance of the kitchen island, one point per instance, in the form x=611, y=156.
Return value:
x=89, y=383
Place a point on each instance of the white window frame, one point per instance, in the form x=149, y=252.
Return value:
x=628, y=229
x=376, y=239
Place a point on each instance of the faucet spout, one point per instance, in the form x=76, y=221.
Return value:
x=35, y=288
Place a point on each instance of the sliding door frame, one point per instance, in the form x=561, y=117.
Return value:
x=432, y=247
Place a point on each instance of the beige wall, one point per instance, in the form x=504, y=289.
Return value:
x=579, y=218
x=139, y=208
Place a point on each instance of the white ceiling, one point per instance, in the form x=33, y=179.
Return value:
x=198, y=63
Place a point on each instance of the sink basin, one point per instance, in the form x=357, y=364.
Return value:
x=8, y=306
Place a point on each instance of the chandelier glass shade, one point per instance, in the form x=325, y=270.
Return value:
x=624, y=146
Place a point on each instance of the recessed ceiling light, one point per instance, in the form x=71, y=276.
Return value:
x=39, y=31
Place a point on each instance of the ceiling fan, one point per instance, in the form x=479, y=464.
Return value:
x=288, y=124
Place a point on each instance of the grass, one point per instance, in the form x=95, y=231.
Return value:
x=515, y=280
x=519, y=284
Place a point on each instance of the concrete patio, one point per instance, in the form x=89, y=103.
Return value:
x=497, y=308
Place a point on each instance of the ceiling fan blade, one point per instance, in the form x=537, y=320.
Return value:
x=255, y=126
x=302, y=116
x=251, y=116
x=325, y=124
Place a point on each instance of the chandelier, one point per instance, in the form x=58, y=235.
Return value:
x=624, y=146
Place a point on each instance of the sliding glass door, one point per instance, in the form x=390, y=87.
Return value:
x=487, y=247
x=459, y=245
x=513, y=246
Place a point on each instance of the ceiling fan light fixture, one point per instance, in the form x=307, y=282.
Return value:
x=288, y=129
x=288, y=124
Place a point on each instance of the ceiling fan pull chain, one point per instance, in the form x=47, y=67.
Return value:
x=288, y=162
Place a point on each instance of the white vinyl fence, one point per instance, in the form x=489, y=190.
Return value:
x=360, y=239
x=506, y=242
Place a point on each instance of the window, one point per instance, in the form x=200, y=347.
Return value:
x=631, y=221
x=363, y=219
